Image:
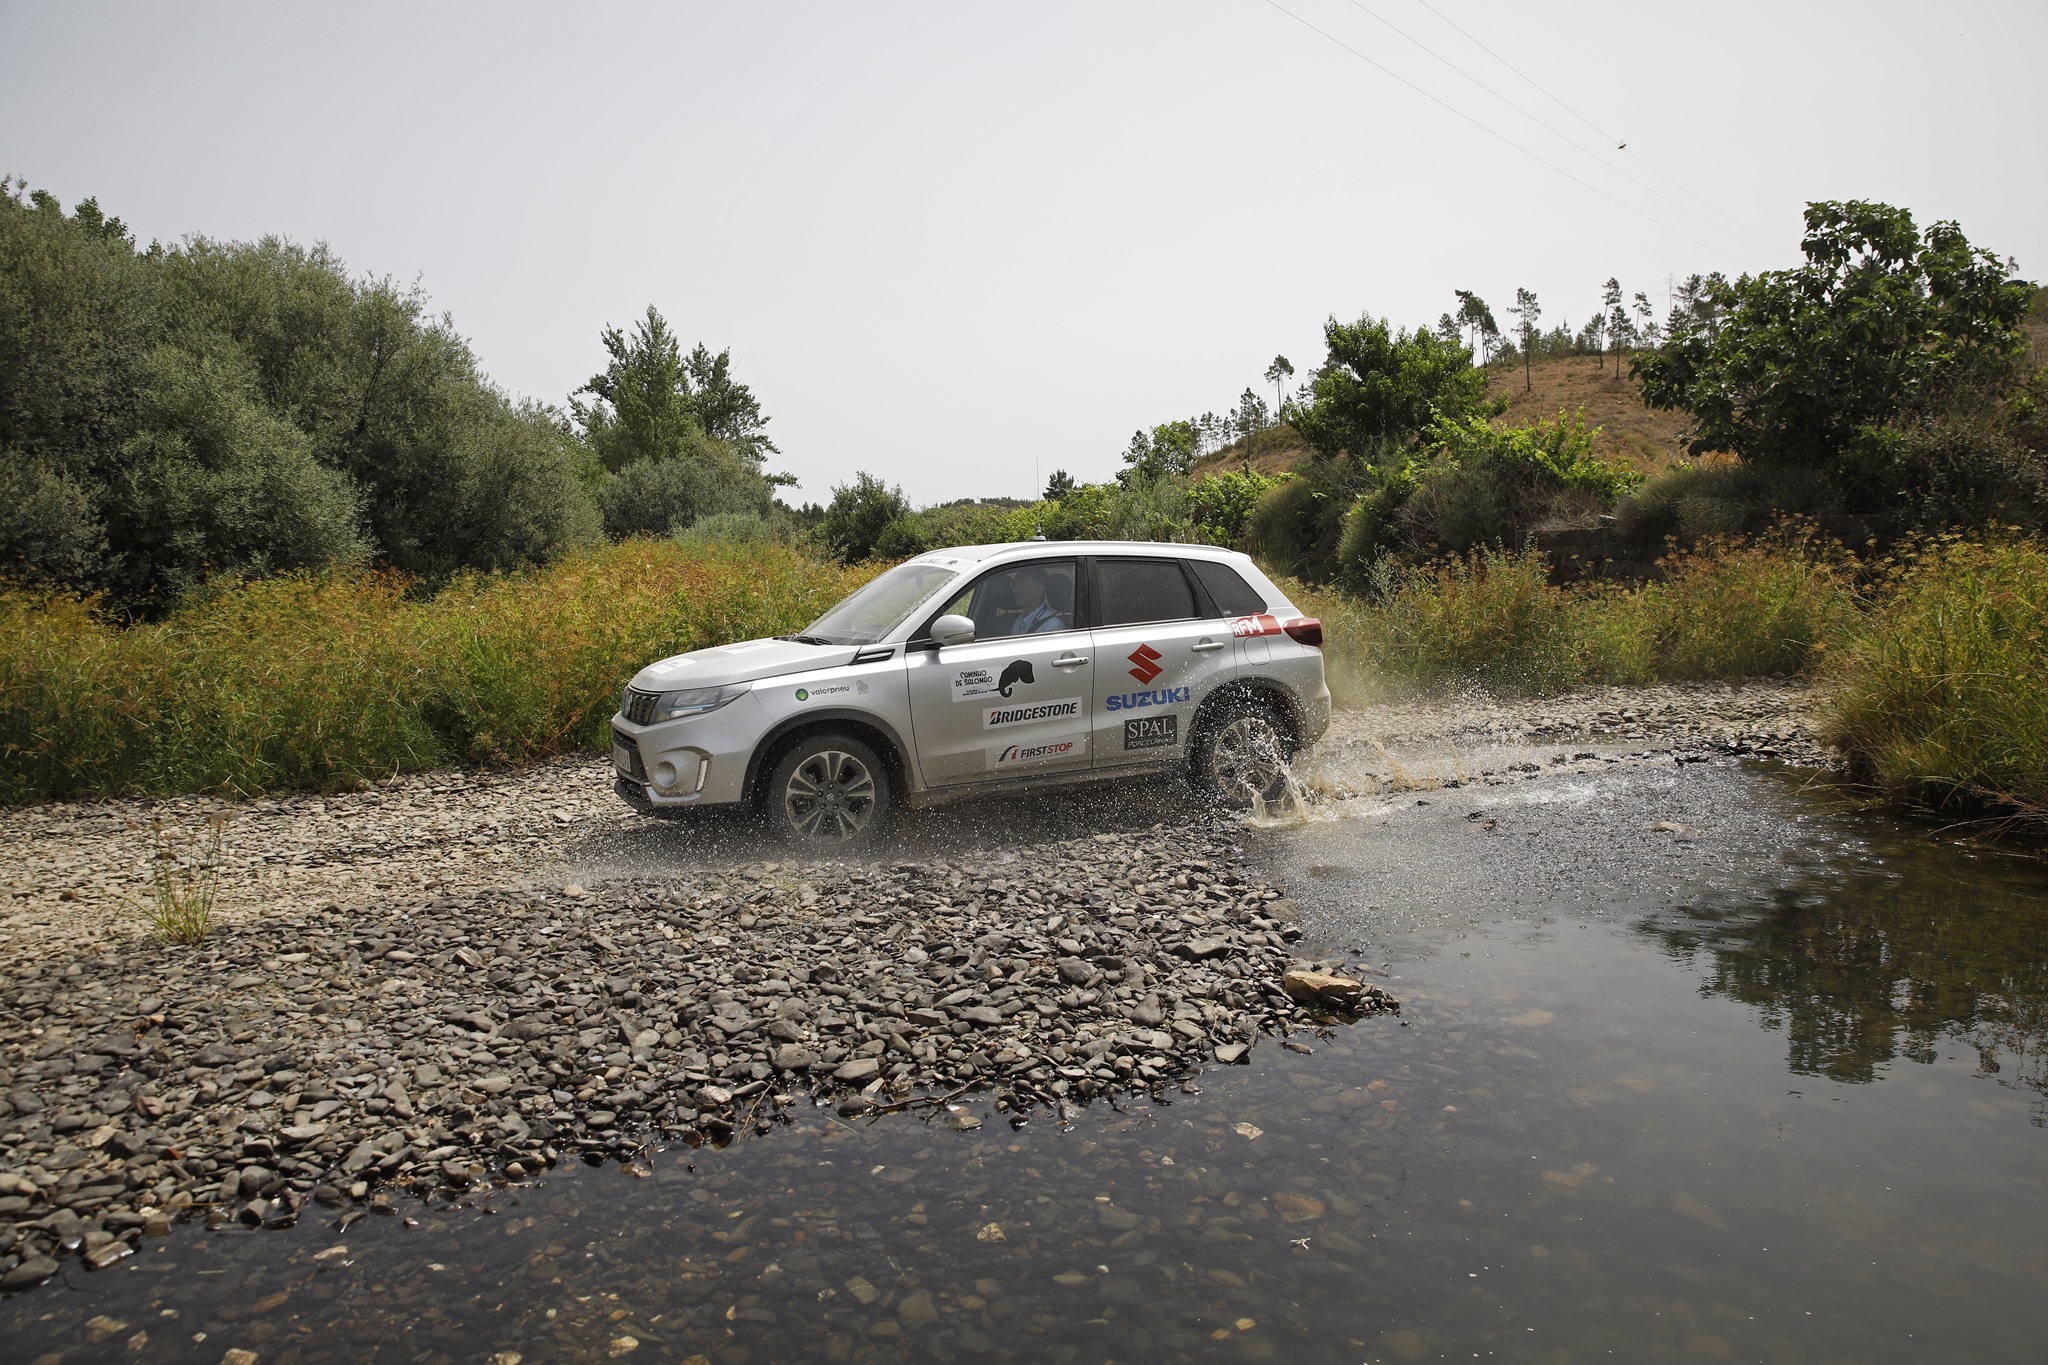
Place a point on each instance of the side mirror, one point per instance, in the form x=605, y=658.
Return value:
x=953, y=630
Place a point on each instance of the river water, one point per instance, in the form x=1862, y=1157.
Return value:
x=1697, y=1063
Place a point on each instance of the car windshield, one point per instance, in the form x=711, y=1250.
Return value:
x=882, y=605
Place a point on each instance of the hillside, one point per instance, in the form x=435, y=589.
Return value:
x=1629, y=431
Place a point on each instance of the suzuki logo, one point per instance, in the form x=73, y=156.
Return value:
x=1147, y=660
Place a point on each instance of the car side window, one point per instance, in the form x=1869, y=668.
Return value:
x=1023, y=599
x=1131, y=592
x=1232, y=595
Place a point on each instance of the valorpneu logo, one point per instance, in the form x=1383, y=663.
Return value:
x=998, y=717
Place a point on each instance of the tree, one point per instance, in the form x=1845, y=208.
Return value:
x=1612, y=321
x=859, y=515
x=1380, y=386
x=653, y=406
x=1645, y=326
x=1059, y=485
x=1477, y=319
x=724, y=407
x=1167, y=451
x=1249, y=419
x=1277, y=374
x=1526, y=311
x=222, y=409
x=1800, y=367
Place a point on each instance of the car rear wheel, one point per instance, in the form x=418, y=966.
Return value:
x=1241, y=754
x=830, y=791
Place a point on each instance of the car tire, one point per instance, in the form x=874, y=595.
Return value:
x=829, y=792
x=1241, y=752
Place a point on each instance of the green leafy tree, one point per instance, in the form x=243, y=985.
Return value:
x=1166, y=451
x=1527, y=311
x=1380, y=386
x=225, y=409
x=1800, y=367
x=858, y=515
x=726, y=408
x=1059, y=485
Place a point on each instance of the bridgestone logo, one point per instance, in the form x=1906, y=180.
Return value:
x=996, y=717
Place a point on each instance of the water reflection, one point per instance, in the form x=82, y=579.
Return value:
x=1894, y=959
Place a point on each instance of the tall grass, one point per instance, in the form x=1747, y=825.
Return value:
x=1942, y=699
x=328, y=680
x=1494, y=621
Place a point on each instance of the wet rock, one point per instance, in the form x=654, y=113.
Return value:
x=1320, y=988
x=33, y=1270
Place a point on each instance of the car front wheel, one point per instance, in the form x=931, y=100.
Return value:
x=830, y=792
x=1243, y=754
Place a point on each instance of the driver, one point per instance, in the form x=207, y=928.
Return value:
x=1037, y=615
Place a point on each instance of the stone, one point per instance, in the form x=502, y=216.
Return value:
x=104, y=1255
x=33, y=1270
x=794, y=1057
x=917, y=1309
x=982, y=1016
x=857, y=1071
x=1230, y=1053
x=1202, y=949
x=1320, y=988
x=237, y=1355
x=98, y=1329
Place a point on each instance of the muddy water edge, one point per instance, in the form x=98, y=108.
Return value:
x=1694, y=1060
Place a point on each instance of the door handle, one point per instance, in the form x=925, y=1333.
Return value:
x=1070, y=661
x=1206, y=646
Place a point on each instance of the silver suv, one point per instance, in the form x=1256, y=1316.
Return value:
x=986, y=667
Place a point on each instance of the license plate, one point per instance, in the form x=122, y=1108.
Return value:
x=622, y=759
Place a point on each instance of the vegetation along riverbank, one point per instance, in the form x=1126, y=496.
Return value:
x=265, y=524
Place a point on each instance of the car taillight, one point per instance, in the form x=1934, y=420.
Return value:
x=1305, y=630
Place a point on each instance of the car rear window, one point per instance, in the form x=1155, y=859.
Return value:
x=1234, y=596
x=1133, y=591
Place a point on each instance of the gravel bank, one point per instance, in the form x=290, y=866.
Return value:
x=323, y=1057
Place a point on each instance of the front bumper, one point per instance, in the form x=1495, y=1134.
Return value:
x=696, y=761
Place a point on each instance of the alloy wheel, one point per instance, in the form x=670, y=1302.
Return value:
x=1246, y=758
x=830, y=797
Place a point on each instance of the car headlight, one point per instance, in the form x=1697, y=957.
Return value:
x=696, y=701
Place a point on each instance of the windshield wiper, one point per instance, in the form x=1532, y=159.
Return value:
x=807, y=639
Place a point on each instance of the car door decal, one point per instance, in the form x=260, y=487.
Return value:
x=970, y=683
x=1146, y=661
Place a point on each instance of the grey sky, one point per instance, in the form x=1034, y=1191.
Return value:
x=962, y=245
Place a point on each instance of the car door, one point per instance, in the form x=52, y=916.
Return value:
x=1016, y=701
x=1159, y=651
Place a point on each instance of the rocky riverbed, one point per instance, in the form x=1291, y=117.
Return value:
x=453, y=979
x=332, y=1056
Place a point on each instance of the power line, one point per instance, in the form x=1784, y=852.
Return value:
x=1438, y=57
x=1502, y=137
x=1619, y=144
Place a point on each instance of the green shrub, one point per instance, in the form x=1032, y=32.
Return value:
x=1491, y=620
x=1942, y=697
x=1733, y=610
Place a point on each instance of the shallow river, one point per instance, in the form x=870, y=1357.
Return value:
x=1693, y=1062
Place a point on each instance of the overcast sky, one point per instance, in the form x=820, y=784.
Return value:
x=962, y=245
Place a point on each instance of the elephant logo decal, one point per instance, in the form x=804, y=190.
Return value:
x=1018, y=671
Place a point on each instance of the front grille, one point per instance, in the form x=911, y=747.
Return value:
x=626, y=757
x=638, y=706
